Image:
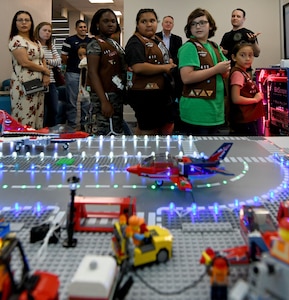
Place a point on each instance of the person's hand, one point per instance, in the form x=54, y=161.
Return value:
x=252, y=36
x=46, y=80
x=168, y=67
x=224, y=51
x=223, y=67
x=259, y=96
x=46, y=71
x=107, y=109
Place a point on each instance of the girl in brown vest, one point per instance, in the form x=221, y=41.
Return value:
x=148, y=77
x=106, y=73
x=246, y=107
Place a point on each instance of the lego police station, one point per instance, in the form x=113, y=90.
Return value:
x=61, y=215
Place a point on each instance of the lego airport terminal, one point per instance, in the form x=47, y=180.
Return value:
x=35, y=189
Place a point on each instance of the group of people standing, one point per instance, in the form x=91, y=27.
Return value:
x=165, y=81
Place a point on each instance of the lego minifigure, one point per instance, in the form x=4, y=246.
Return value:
x=218, y=270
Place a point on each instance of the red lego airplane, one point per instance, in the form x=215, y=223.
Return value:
x=180, y=170
x=57, y=134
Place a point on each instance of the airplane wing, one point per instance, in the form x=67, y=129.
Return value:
x=182, y=182
x=220, y=171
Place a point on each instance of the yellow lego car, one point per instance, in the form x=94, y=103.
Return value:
x=157, y=248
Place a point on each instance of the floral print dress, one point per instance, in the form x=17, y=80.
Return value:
x=26, y=109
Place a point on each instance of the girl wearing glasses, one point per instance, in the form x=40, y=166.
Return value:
x=28, y=63
x=202, y=67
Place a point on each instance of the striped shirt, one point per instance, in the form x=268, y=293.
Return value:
x=52, y=58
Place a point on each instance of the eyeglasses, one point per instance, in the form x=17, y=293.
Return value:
x=23, y=20
x=201, y=23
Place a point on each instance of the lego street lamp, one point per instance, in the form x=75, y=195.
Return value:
x=70, y=241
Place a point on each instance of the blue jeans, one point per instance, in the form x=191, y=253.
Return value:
x=50, y=106
x=72, y=89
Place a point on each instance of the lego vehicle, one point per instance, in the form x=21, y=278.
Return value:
x=17, y=283
x=158, y=248
x=267, y=278
x=99, y=277
x=57, y=134
x=95, y=277
x=181, y=170
x=257, y=228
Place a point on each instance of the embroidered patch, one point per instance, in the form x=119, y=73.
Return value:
x=202, y=53
x=151, y=86
x=149, y=44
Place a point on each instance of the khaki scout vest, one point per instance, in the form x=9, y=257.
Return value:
x=109, y=65
x=205, y=89
x=153, y=56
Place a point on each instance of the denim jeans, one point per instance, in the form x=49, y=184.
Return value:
x=72, y=90
x=50, y=106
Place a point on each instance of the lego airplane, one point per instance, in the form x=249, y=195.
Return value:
x=57, y=134
x=180, y=170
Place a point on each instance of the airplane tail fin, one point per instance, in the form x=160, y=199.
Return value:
x=10, y=125
x=221, y=152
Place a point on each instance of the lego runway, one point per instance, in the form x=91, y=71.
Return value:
x=34, y=185
x=39, y=174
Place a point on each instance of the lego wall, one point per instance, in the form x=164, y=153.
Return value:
x=40, y=11
x=258, y=12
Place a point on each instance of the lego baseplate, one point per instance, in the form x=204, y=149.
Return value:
x=205, y=217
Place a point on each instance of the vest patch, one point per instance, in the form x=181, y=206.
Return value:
x=202, y=53
x=151, y=86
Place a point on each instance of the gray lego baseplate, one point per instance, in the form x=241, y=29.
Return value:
x=34, y=187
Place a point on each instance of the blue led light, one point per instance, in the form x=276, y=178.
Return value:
x=216, y=208
x=1, y=165
x=236, y=203
x=38, y=207
x=256, y=199
x=16, y=206
x=172, y=207
x=48, y=167
x=194, y=209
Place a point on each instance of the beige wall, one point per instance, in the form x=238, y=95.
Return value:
x=41, y=10
x=262, y=16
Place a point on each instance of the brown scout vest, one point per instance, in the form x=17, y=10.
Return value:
x=109, y=65
x=153, y=56
x=245, y=113
x=205, y=89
